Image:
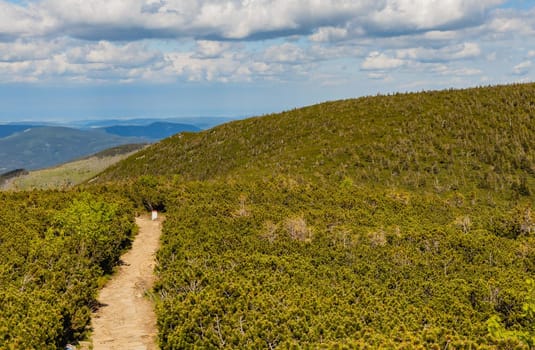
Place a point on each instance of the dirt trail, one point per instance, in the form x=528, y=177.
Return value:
x=127, y=320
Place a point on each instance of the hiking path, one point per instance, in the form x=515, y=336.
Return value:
x=126, y=318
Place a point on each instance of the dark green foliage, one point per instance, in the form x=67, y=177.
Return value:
x=283, y=262
x=54, y=248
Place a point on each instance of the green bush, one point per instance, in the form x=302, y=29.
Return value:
x=54, y=247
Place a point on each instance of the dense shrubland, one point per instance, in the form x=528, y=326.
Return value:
x=284, y=263
x=55, y=249
x=402, y=221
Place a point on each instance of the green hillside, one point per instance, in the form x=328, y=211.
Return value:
x=45, y=146
x=68, y=174
x=401, y=221
x=447, y=140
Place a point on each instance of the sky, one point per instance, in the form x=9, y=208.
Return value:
x=94, y=59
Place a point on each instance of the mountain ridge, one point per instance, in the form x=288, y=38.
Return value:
x=433, y=136
x=152, y=131
x=33, y=146
x=44, y=146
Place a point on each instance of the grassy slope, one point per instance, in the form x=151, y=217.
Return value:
x=389, y=221
x=41, y=147
x=71, y=173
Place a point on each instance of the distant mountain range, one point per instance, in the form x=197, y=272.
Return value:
x=154, y=131
x=199, y=122
x=6, y=130
x=33, y=146
x=40, y=147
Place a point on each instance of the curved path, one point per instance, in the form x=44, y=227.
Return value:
x=126, y=319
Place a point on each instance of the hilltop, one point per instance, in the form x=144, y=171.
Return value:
x=479, y=137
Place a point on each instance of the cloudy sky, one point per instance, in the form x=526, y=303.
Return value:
x=75, y=59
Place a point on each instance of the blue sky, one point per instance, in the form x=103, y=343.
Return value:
x=71, y=59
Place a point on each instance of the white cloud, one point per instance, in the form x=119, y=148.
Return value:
x=211, y=49
x=329, y=34
x=251, y=40
x=410, y=15
x=380, y=61
x=448, y=53
x=378, y=76
x=285, y=53
x=138, y=19
x=522, y=68
x=27, y=50
x=18, y=21
x=512, y=22
x=187, y=67
x=441, y=35
x=328, y=20
x=129, y=55
x=463, y=72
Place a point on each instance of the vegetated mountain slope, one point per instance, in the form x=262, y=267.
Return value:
x=400, y=221
x=68, y=174
x=153, y=131
x=10, y=129
x=446, y=139
x=46, y=146
x=55, y=249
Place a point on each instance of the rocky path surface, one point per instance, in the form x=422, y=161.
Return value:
x=126, y=319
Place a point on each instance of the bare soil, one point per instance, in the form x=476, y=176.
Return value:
x=126, y=319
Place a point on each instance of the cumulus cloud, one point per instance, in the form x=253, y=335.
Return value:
x=208, y=19
x=511, y=22
x=75, y=61
x=129, y=55
x=380, y=61
x=247, y=40
x=522, y=68
x=285, y=53
x=446, y=70
x=211, y=49
x=448, y=53
x=402, y=16
x=27, y=50
x=329, y=34
x=17, y=21
x=326, y=20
